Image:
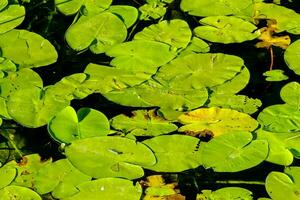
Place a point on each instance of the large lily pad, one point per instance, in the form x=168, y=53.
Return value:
x=18, y=193
x=119, y=157
x=226, y=29
x=27, y=49
x=204, y=8
x=290, y=93
x=67, y=125
x=280, y=118
x=284, y=185
x=141, y=55
x=176, y=33
x=109, y=189
x=195, y=71
x=98, y=32
x=292, y=56
x=233, y=152
x=228, y=193
x=37, y=106
x=174, y=153
x=143, y=123
x=216, y=121
x=60, y=178
x=7, y=175
x=11, y=17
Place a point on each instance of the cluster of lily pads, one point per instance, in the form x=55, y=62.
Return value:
x=182, y=93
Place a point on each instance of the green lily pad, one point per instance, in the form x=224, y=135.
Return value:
x=27, y=169
x=280, y=118
x=11, y=17
x=140, y=55
x=284, y=185
x=150, y=11
x=60, y=178
x=227, y=193
x=120, y=157
x=7, y=175
x=128, y=14
x=275, y=75
x=233, y=152
x=70, y=7
x=109, y=189
x=176, y=33
x=143, y=123
x=292, y=56
x=174, y=153
x=97, y=32
x=290, y=94
x=216, y=121
x=205, y=8
x=67, y=126
x=226, y=29
x=195, y=71
x=18, y=193
x=7, y=65
x=279, y=152
x=37, y=106
x=104, y=79
x=27, y=49
x=196, y=45
x=3, y=4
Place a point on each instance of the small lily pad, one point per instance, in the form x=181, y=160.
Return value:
x=230, y=193
x=275, y=75
x=18, y=193
x=7, y=175
x=290, y=93
x=292, y=56
x=11, y=17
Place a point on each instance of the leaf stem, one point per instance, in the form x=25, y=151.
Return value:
x=271, y=58
x=233, y=182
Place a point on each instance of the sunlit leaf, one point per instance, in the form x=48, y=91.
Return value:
x=292, y=56
x=7, y=175
x=290, y=93
x=18, y=193
x=227, y=193
x=128, y=14
x=11, y=17
x=275, y=75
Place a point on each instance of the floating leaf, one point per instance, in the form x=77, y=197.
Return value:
x=216, y=121
x=18, y=193
x=108, y=188
x=275, y=75
x=128, y=14
x=226, y=29
x=195, y=71
x=27, y=49
x=174, y=153
x=60, y=178
x=233, y=152
x=290, y=93
x=67, y=126
x=284, y=185
x=98, y=32
x=176, y=33
x=143, y=123
x=292, y=56
x=120, y=157
x=152, y=11
x=11, y=17
x=204, y=8
x=229, y=193
x=280, y=118
x=7, y=175
x=196, y=45
x=140, y=55
x=3, y=4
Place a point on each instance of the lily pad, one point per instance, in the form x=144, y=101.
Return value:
x=216, y=121
x=174, y=153
x=290, y=93
x=284, y=185
x=280, y=118
x=205, y=8
x=226, y=29
x=7, y=175
x=233, y=152
x=37, y=106
x=196, y=45
x=275, y=75
x=120, y=157
x=18, y=193
x=150, y=11
x=3, y=4
x=128, y=14
x=109, y=189
x=60, y=178
x=11, y=17
x=195, y=71
x=141, y=55
x=67, y=126
x=97, y=32
x=230, y=193
x=143, y=123
x=27, y=49
x=292, y=56
x=176, y=33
